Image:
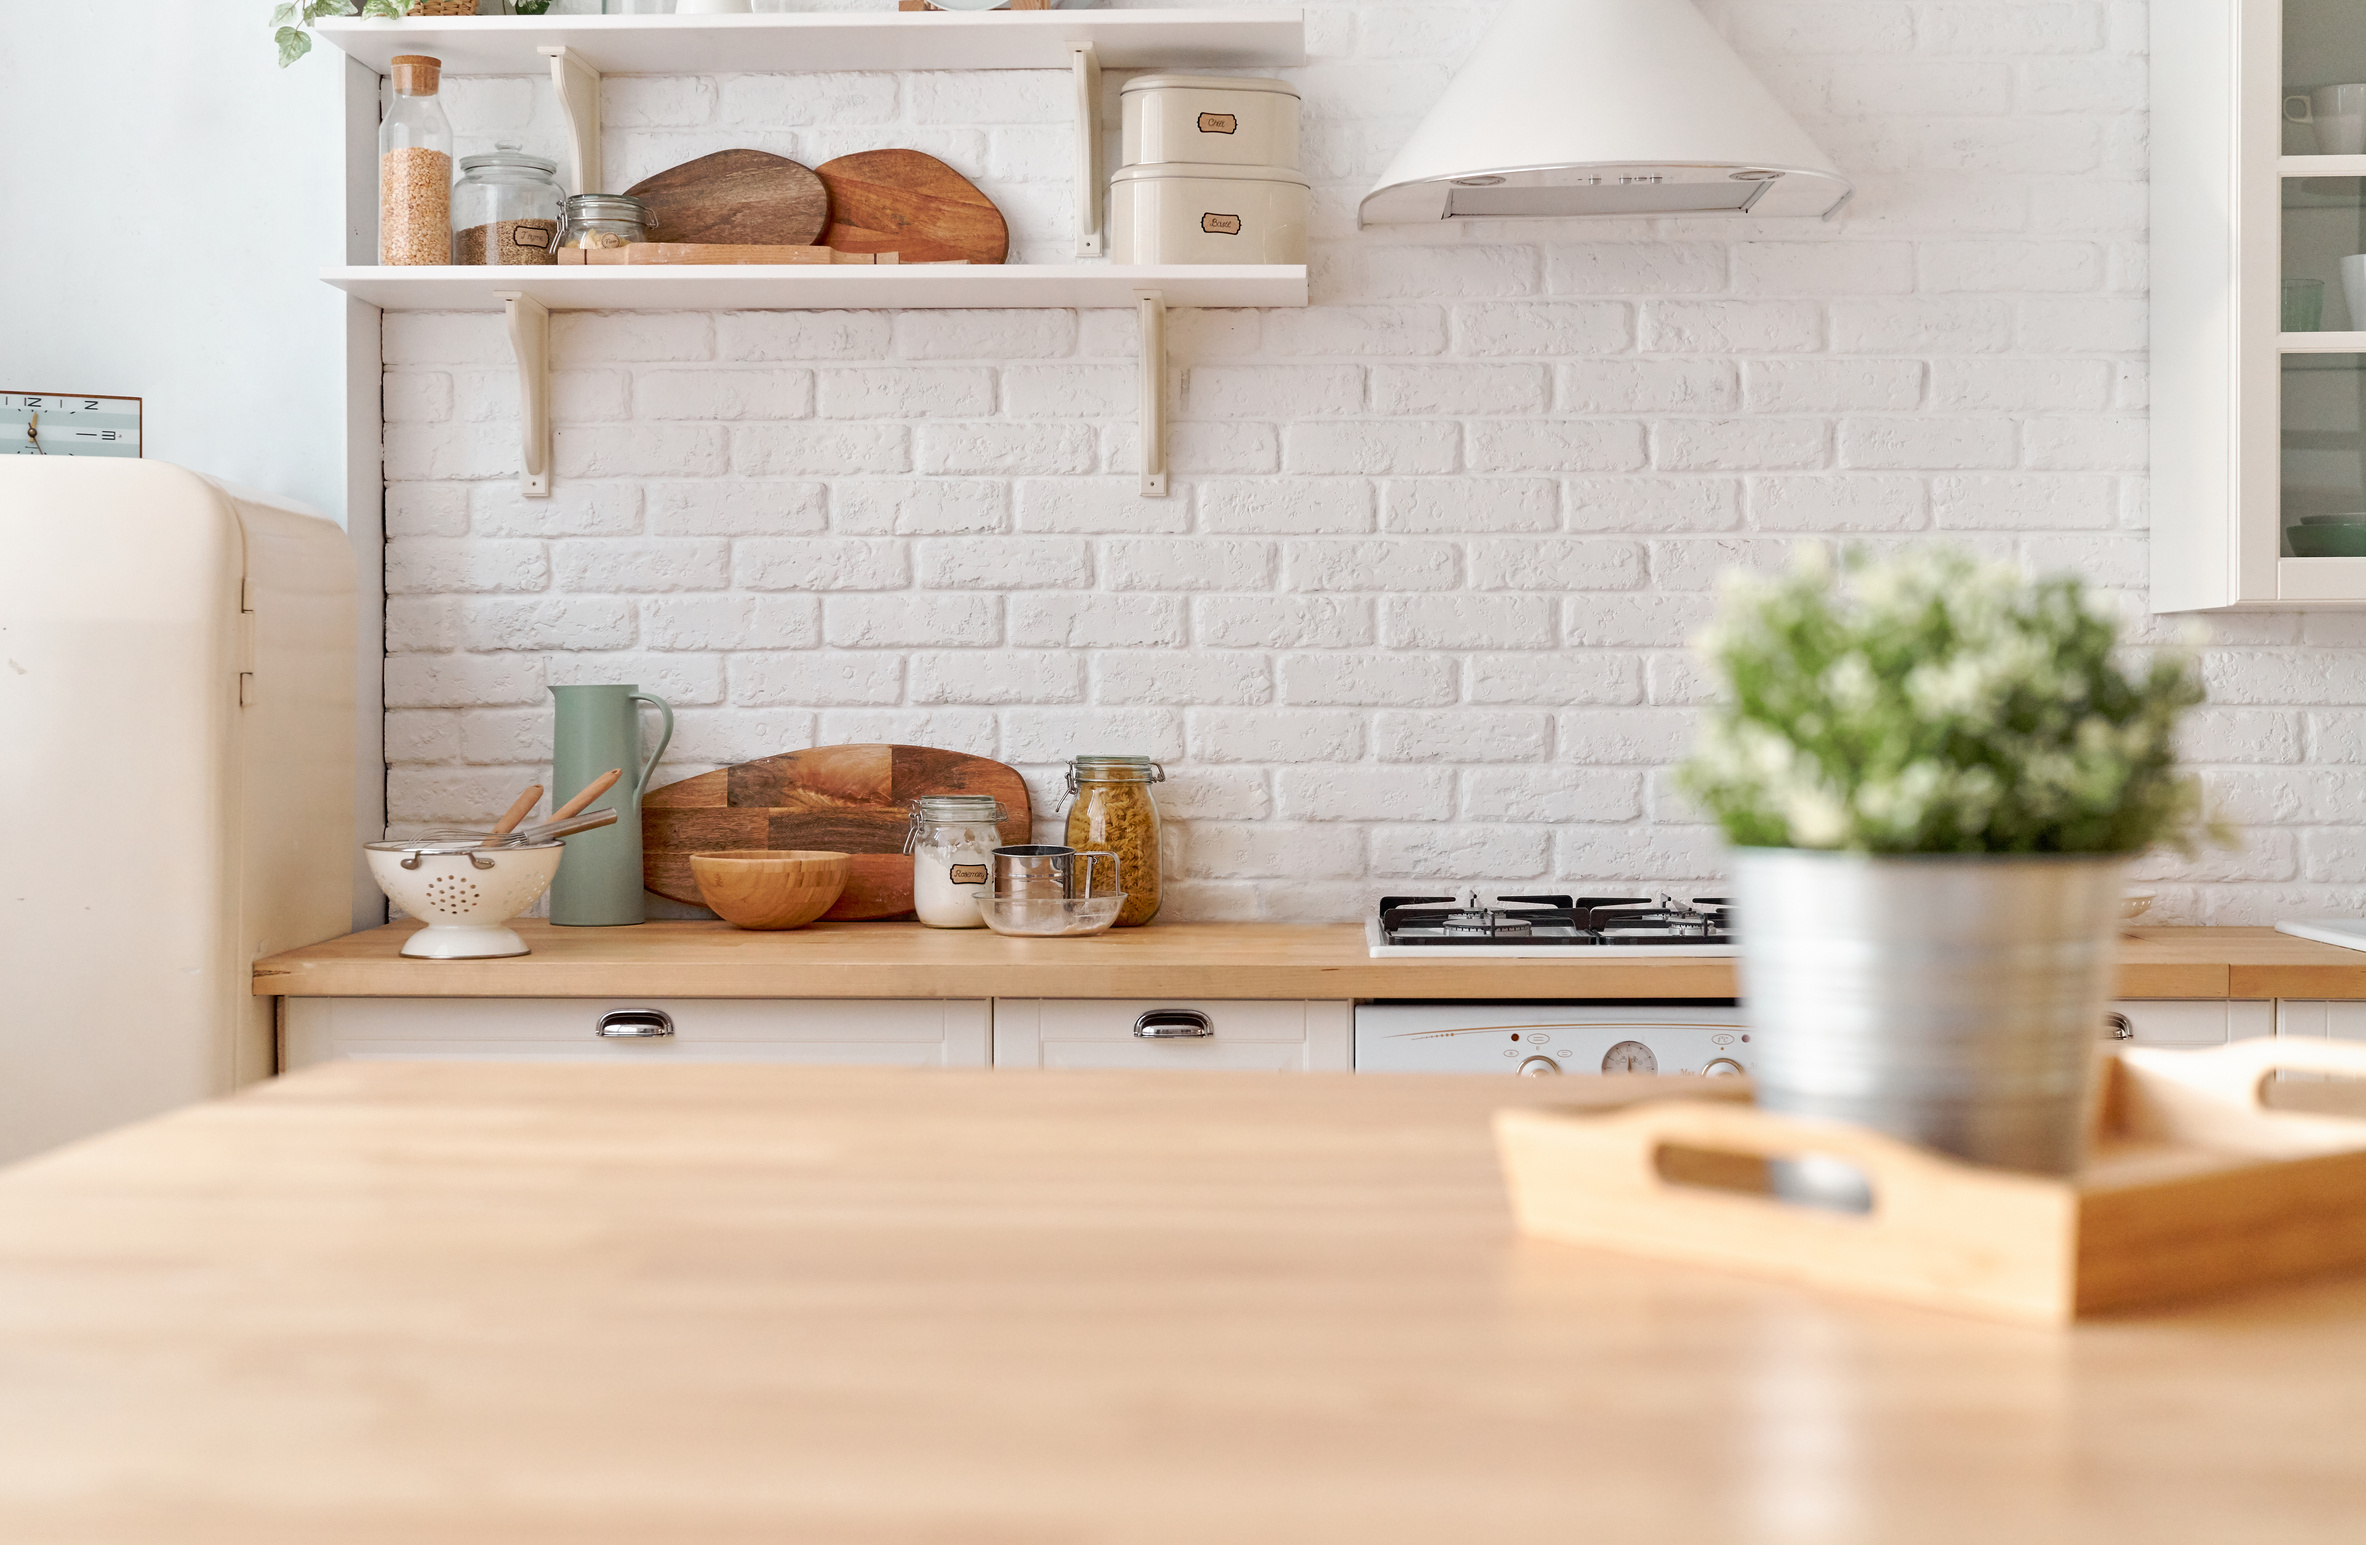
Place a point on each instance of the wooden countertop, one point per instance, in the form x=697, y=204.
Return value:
x=1165, y=960
x=629, y=1305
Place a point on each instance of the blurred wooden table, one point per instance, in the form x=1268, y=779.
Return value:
x=722, y=1305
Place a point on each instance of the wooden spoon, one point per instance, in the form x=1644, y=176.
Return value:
x=591, y=791
x=519, y=810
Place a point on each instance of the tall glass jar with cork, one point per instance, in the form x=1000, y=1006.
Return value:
x=415, y=168
x=1110, y=810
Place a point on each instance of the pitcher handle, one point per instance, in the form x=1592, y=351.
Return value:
x=665, y=737
x=1116, y=873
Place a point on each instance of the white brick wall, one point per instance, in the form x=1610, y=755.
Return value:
x=1416, y=611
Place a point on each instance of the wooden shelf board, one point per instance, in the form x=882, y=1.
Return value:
x=807, y=287
x=802, y=42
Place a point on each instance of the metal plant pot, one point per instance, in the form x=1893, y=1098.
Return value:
x=1953, y=1000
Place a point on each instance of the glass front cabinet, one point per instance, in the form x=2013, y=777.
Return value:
x=2258, y=304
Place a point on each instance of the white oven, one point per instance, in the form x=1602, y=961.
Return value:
x=1545, y=1039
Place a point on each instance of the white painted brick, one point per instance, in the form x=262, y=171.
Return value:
x=1367, y=680
x=656, y=101
x=1554, y=445
x=814, y=678
x=1272, y=391
x=490, y=624
x=418, y=624
x=1053, y=735
x=1994, y=267
x=2088, y=204
x=904, y=391
x=1426, y=852
x=1636, y=268
x=1270, y=848
x=1364, y=793
x=1649, y=737
x=427, y=509
x=1369, y=446
x=1550, y=794
x=2095, y=324
x=691, y=680
x=994, y=335
x=1281, y=621
x=1542, y=329
x=1379, y=566
x=1068, y=391
x=1005, y=563
x=443, y=450
x=1917, y=325
x=422, y=735
x=1467, y=504
x=1151, y=563
x=1210, y=794
x=1295, y=506
x=1435, y=273
x=737, y=507
x=1653, y=503
x=1937, y=444
x=1699, y=563
x=1003, y=676
x=627, y=565
x=769, y=101
x=1646, y=386
x=1096, y=507
x=904, y=621
x=1353, y=330
x=635, y=450
x=723, y=736
x=992, y=449
x=1731, y=326
x=436, y=566
x=819, y=564
x=463, y=681
x=2032, y=145
x=417, y=396
x=2023, y=501
x=2108, y=559
x=2010, y=29
x=1637, y=621
x=579, y=338
x=1460, y=389
x=819, y=449
x=1073, y=621
x=1555, y=563
x=1552, y=680
x=1265, y=735
x=730, y=622
x=975, y=731
x=1823, y=268
x=802, y=336
x=1712, y=445
x=1201, y=448
x=1182, y=680
x=1918, y=86
x=917, y=506
x=1659, y=855
x=442, y=338
x=1030, y=153
x=988, y=96
x=1831, y=385
x=1849, y=503
x=2072, y=444
x=1458, y=736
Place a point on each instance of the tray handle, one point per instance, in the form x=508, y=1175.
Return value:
x=2217, y=1095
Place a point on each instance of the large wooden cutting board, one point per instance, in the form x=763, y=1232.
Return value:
x=740, y=196
x=906, y=202
x=836, y=799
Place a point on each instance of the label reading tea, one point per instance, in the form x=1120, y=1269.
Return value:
x=1218, y=123
x=1220, y=225
x=970, y=874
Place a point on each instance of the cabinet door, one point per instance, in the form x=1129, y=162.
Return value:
x=1242, y=1036
x=2339, y=1021
x=840, y=1032
x=2192, y=1021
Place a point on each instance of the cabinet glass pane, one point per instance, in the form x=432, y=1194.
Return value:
x=2324, y=224
x=2324, y=456
x=2324, y=47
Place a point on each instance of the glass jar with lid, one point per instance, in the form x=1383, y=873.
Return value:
x=1110, y=810
x=505, y=209
x=952, y=844
x=604, y=220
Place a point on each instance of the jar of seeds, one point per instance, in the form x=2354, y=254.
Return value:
x=604, y=220
x=505, y=209
x=415, y=168
x=1110, y=811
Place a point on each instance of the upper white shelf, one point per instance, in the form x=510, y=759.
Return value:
x=799, y=42
x=803, y=287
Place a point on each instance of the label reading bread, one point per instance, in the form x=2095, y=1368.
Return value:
x=970, y=874
x=1219, y=123
x=1220, y=225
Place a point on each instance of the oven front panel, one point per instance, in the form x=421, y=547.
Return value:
x=1545, y=1039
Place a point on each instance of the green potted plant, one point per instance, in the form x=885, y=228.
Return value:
x=290, y=19
x=1933, y=772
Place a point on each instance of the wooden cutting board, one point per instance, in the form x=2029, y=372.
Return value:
x=741, y=196
x=834, y=799
x=906, y=202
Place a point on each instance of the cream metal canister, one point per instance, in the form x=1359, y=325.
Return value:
x=1209, y=120
x=1188, y=213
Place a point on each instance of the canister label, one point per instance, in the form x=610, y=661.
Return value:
x=1219, y=123
x=970, y=874
x=1220, y=225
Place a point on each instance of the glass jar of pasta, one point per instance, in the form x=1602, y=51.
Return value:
x=1110, y=810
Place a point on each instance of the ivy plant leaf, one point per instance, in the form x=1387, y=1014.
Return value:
x=385, y=8
x=281, y=15
x=293, y=45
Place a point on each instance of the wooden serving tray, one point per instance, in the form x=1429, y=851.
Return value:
x=2194, y=1186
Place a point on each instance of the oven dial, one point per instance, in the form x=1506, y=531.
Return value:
x=1629, y=1057
x=1725, y=1067
x=1539, y=1067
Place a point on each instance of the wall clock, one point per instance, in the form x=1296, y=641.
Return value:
x=68, y=424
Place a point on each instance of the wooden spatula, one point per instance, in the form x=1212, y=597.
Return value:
x=905, y=202
x=742, y=196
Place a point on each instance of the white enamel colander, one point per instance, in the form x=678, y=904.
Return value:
x=465, y=893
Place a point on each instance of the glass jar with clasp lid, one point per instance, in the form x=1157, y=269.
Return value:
x=1110, y=810
x=952, y=844
x=505, y=209
x=604, y=220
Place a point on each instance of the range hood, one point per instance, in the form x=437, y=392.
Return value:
x=1610, y=108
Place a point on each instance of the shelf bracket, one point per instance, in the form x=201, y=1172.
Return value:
x=1153, y=304
x=1087, y=63
x=578, y=85
x=529, y=340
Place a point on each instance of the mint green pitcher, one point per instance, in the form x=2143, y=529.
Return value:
x=599, y=880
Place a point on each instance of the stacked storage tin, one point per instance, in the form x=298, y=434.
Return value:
x=1210, y=172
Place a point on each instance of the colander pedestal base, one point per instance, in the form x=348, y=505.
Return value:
x=453, y=941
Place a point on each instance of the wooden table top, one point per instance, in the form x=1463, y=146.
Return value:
x=1165, y=960
x=604, y=1305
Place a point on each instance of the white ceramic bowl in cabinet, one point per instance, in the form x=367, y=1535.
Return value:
x=1182, y=213
x=1209, y=120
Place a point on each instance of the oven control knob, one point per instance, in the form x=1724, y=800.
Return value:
x=1539, y=1067
x=1724, y=1067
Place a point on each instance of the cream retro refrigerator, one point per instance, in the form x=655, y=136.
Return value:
x=176, y=781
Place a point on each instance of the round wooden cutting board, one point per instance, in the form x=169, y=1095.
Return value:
x=742, y=197
x=905, y=202
x=835, y=799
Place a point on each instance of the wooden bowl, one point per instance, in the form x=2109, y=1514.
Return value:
x=770, y=890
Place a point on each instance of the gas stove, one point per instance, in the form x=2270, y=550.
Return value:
x=1599, y=926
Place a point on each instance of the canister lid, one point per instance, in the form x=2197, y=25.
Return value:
x=1116, y=769
x=1204, y=171
x=1206, y=83
x=508, y=158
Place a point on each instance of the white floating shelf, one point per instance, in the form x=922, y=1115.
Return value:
x=836, y=287
x=799, y=42
x=2321, y=343
x=2321, y=166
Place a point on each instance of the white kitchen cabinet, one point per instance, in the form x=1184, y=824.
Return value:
x=2339, y=1021
x=2256, y=416
x=1234, y=1035
x=954, y=1033
x=2194, y=1021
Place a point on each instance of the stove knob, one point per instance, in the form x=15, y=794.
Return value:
x=1540, y=1067
x=1725, y=1067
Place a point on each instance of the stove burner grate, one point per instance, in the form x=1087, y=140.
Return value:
x=1576, y=922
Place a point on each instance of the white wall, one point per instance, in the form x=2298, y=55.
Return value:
x=170, y=194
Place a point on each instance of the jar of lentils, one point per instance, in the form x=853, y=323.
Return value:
x=1110, y=810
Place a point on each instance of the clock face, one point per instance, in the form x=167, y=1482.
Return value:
x=51, y=424
x=1629, y=1057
